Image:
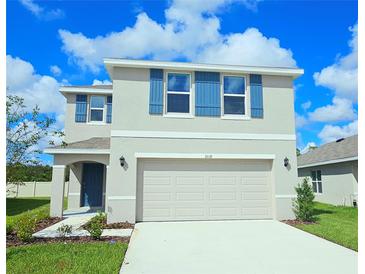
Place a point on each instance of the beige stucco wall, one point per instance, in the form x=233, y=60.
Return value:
x=81, y=131
x=121, y=182
x=131, y=112
x=131, y=108
x=339, y=182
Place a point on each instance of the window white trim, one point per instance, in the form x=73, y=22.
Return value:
x=190, y=94
x=245, y=96
x=317, y=181
x=95, y=108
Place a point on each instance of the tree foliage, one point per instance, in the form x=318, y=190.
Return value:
x=298, y=152
x=304, y=203
x=24, y=131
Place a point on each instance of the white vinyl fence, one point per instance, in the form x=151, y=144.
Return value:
x=31, y=189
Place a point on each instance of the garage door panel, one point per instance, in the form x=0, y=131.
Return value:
x=257, y=196
x=222, y=180
x=223, y=196
x=190, y=196
x=224, y=212
x=204, y=190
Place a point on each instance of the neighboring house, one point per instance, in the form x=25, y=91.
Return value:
x=332, y=170
x=180, y=141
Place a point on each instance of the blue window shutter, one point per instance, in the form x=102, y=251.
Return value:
x=81, y=108
x=109, y=101
x=207, y=94
x=156, y=91
x=257, y=104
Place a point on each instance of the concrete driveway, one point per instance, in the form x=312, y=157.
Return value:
x=230, y=247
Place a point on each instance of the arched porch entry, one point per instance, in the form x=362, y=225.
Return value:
x=87, y=182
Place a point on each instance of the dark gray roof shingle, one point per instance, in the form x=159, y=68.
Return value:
x=92, y=143
x=331, y=151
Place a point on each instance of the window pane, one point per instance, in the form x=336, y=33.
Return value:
x=97, y=101
x=320, y=187
x=319, y=175
x=178, y=82
x=234, y=105
x=314, y=184
x=96, y=115
x=313, y=175
x=178, y=103
x=234, y=85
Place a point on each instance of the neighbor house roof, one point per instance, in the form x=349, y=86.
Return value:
x=94, y=89
x=118, y=62
x=96, y=145
x=342, y=150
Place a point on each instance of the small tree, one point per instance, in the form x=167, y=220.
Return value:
x=303, y=205
x=24, y=130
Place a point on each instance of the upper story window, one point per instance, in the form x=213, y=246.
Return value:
x=97, y=108
x=178, y=93
x=234, y=95
x=316, y=181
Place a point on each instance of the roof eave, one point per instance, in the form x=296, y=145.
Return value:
x=348, y=159
x=86, y=90
x=110, y=63
x=54, y=151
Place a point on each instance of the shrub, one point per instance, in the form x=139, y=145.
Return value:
x=25, y=227
x=9, y=228
x=303, y=205
x=95, y=226
x=64, y=230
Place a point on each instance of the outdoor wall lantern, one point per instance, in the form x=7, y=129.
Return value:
x=122, y=161
x=286, y=161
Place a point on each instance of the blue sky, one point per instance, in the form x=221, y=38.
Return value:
x=57, y=43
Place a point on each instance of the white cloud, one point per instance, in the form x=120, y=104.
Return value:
x=40, y=12
x=101, y=82
x=300, y=120
x=191, y=31
x=342, y=75
x=22, y=80
x=56, y=70
x=307, y=147
x=331, y=133
x=340, y=110
x=306, y=105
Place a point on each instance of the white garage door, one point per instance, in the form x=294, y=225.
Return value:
x=170, y=190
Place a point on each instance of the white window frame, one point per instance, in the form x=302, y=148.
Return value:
x=316, y=181
x=93, y=108
x=245, y=95
x=190, y=94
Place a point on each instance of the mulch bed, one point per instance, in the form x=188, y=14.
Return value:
x=12, y=240
x=123, y=225
x=42, y=224
x=120, y=225
x=297, y=222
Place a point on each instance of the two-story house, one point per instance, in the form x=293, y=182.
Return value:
x=180, y=141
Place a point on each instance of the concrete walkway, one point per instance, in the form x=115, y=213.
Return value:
x=77, y=219
x=232, y=247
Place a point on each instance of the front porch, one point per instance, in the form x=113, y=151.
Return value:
x=87, y=163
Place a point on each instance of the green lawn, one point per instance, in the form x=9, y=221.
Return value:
x=93, y=257
x=16, y=207
x=335, y=223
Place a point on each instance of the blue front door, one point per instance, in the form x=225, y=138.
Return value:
x=92, y=185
